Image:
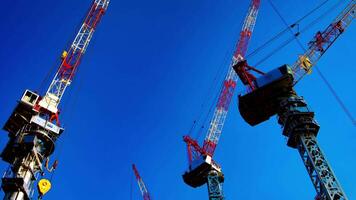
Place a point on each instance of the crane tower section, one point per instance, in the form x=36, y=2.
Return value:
x=33, y=127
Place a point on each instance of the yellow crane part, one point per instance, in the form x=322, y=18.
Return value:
x=305, y=63
x=64, y=54
x=43, y=186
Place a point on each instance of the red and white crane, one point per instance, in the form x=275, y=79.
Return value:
x=141, y=184
x=274, y=94
x=202, y=169
x=34, y=127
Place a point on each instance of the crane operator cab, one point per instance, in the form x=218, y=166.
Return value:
x=263, y=102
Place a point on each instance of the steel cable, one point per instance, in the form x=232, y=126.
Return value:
x=324, y=79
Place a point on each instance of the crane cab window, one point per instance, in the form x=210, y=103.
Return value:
x=29, y=97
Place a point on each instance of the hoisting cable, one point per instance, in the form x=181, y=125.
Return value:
x=217, y=94
x=285, y=22
x=286, y=29
x=203, y=105
x=218, y=76
x=308, y=26
x=285, y=43
x=69, y=115
x=209, y=113
x=338, y=99
x=47, y=77
x=55, y=64
x=323, y=78
x=209, y=94
x=329, y=11
x=67, y=112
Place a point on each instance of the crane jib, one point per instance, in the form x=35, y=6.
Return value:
x=322, y=41
x=71, y=58
x=226, y=93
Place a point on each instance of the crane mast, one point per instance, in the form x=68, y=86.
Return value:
x=275, y=95
x=141, y=184
x=202, y=168
x=34, y=127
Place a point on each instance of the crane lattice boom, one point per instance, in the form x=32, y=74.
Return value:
x=33, y=127
x=202, y=168
x=141, y=184
x=224, y=100
x=71, y=58
x=226, y=93
x=322, y=41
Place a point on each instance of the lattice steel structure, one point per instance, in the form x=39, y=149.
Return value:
x=215, y=185
x=274, y=94
x=301, y=129
x=144, y=192
x=202, y=168
x=322, y=41
x=34, y=127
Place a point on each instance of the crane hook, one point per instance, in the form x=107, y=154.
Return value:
x=53, y=167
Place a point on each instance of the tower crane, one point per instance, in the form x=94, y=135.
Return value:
x=202, y=168
x=274, y=94
x=34, y=125
x=141, y=184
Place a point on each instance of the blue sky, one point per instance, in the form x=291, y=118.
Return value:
x=142, y=82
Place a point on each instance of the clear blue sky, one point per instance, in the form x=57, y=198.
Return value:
x=141, y=84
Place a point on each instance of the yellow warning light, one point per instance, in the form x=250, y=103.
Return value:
x=64, y=54
x=305, y=63
x=43, y=186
